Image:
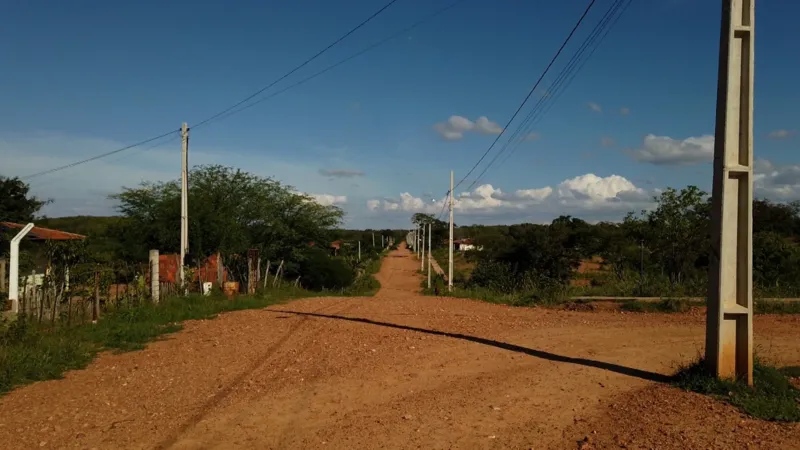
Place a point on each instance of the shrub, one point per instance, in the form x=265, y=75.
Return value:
x=320, y=271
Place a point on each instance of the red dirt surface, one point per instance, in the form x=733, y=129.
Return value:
x=399, y=370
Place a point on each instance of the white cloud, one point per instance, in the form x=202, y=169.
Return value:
x=328, y=199
x=453, y=129
x=781, y=134
x=585, y=193
x=776, y=182
x=594, y=107
x=341, y=173
x=485, y=126
x=624, y=111
x=664, y=150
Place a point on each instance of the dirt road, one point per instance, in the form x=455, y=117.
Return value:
x=399, y=370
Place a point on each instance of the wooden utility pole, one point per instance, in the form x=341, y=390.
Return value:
x=450, y=252
x=184, y=199
x=729, y=327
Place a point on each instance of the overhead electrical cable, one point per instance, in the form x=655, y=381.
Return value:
x=96, y=157
x=371, y=47
x=530, y=93
x=240, y=105
x=562, y=81
x=303, y=64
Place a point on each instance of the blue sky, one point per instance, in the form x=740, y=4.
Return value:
x=87, y=77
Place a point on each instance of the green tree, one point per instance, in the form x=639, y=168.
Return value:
x=16, y=202
x=230, y=211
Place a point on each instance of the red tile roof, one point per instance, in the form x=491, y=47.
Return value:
x=42, y=233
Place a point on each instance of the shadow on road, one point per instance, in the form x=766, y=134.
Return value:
x=638, y=373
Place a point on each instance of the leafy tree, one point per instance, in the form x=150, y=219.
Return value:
x=231, y=211
x=16, y=202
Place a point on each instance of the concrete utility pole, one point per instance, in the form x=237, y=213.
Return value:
x=430, y=232
x=422, y=259
x=729, y=327
x=373, y=240
x=450, y=262
x=154, y=276
x=184, y=198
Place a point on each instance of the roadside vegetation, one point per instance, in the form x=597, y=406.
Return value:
x=661, y=253
x=232, y=212
x=772, y=397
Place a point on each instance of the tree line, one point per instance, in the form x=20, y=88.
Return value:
x=662, y=251
x=231, y=211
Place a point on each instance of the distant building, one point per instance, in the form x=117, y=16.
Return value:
x=464, y=245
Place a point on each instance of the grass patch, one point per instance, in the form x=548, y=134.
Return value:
x=771, y=398
x=666, y=305
x=776, y=307
x=32, y=352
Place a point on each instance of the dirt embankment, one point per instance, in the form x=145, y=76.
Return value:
x=399, y=370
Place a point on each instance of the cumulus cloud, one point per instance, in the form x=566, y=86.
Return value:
x=664, y=150
x=453, y=129
x=594, y=107
x=341, y=173
x=776, y=182
x=485, y=126
x=583, y=193
x=328, y=199
x=781, y=134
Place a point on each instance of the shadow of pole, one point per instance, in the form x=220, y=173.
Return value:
x=637, y=373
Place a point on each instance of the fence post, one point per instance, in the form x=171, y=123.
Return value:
x=220, y=270
x=277, y=274
x=266, y=275
x=3, y=275
x=154, y=277
x=33, y=293
x=96, y=309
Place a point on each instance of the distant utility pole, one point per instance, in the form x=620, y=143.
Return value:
x=450, y=262
x=184, y=199
x=729, y=326
x=422, y=260
x=430, y=232
x=359, y=251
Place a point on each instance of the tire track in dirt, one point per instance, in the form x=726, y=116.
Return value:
x=211, y=404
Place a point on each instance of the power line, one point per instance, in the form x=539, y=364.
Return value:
x=394, y=35
x=562, y=81
x=525, y=100
x=230, y=111
x=527, y=97
x=93, y=158
x=287, y=74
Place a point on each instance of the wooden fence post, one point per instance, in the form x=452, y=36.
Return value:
x=96, y=309
x=33, y=292
x=277, y=274
x=220, y=270
x=266, y=275
x=3, y=286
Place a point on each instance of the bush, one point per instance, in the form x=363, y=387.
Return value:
x=320, y=271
